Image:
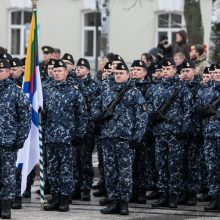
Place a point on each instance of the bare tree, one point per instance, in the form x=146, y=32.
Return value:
x=214, y=46
x=193, y=20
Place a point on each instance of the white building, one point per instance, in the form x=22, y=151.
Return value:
x=69, y=25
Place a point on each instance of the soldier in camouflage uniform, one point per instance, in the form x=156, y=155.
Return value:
x=65, y=122
x=120, y=135
x=101, y=191
x=15, y=125
x=171, y=118
x=144, y=154
x=70, y=63
x=192, y=145
x=90, y=90
x=47, y=55
x=208, y=112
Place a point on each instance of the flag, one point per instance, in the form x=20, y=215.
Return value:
x=29, y=155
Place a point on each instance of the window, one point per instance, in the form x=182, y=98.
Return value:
x=169, y=24
x=89, y=34
x=18, y=30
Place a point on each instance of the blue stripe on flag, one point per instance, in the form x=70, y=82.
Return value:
x=34, y=117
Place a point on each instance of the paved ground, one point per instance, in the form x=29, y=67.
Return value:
x=91, y=210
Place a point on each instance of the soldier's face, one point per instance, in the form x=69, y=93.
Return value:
x=105, y=74
x=212, y=75
x=121, y=76
x=47, y=56
x=16, y=72
x=4, y=73
x=56, y=56
x=205, y=78
x=69, y=65
x=131, y=72
x=158, y=73
x=139, y=73
x=82, y=72
x=169, y=71
x=60, y=74
x=187, y=73
x=50, y=70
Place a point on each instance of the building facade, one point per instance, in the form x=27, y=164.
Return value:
x=71, y=25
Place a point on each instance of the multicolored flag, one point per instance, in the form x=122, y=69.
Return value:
x=29, y=155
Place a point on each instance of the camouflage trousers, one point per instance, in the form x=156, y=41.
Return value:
x=203, y=173
x=100, y=159
x=191, y=166
x=212, y=159
x=144, y=168
x=83, y=168
x=7, y=173
x=118, y=158
x=169, y=153
x=60, y=168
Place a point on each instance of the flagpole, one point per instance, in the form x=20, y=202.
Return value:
x=41, y=165
x=34, y=5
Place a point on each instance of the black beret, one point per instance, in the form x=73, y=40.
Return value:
x=158, y=66
x=16, y=62
x=132, y=65
x=206, y=70
x=108, y=66
x=59, y=63
x=188, y=64
x=217, y=66
x=4, y=64
x=47, y=49
x=212, y=67
x=139, y=63
x=23, y=61
x=5, y=56
x=168, y=62
x=83, y=62
x=69, y=57
x=118, y=58
x=122, y=66
x=51, y=62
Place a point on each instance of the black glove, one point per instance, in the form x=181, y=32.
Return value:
x=78, y=141
x=134, y=144
x=17, y=146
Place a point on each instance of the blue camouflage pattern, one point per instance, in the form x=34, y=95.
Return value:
x=168, y=147
x=15, y=120
x=65, y=116
x=211, y=132
x=130, y=119
x=118, y=158
x=60, y=159
x=90, y=90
